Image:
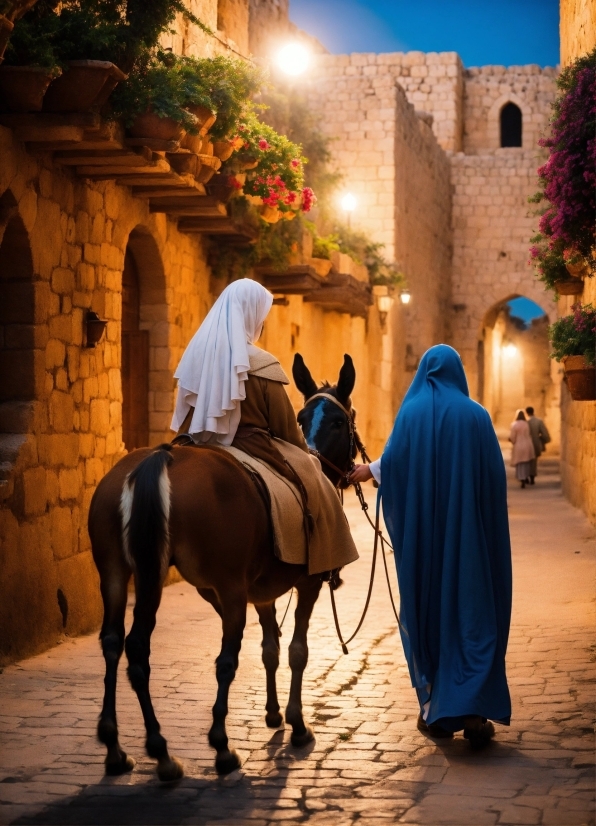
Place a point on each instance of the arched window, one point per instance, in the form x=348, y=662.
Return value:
x=511, y=125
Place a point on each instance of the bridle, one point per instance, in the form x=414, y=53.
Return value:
x=355, y=440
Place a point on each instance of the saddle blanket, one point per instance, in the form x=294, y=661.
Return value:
x=331, y=544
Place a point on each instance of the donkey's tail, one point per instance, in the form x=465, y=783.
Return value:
x=145, y=510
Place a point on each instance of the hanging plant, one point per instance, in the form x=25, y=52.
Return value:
x=567, y=195
x=575, y=335
x=275, y=174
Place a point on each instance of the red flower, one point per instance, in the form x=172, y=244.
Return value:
x=263, y=144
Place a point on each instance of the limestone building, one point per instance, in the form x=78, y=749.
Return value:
x=441, y=159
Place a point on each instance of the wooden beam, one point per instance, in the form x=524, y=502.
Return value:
x=175, y=192
x=155, y=168
x=104, y=157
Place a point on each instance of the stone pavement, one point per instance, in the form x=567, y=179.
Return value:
x=369, y=763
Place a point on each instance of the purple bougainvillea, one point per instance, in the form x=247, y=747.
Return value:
x=568, y=178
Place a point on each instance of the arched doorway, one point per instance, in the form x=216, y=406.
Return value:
x=147, y=383
x=514, y=367
x=135, y=361
x=17, y=308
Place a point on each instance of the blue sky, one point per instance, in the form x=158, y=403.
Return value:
x=525, y=309
x=502, y=32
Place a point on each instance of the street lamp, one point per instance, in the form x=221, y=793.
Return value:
x=405, y=296
x=293, y=59
x=348, y=204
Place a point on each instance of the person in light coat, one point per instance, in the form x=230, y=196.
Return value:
x=523, y=453
x=540, y=439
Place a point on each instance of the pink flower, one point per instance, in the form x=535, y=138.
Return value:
x=263, y=144
x=309, y=199
x=295, y=163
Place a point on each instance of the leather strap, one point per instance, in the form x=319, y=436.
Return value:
x=331, y=399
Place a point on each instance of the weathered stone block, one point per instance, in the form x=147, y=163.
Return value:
x=34, y=491
x=61, y=411
x=99, y=416
x=63, y=280
x=61, y=526
x=69, y=483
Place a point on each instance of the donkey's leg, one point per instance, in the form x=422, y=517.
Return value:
x=308, y=590
x=138, y=650
x=270, y=661
x=114, y=594
x=233, y=622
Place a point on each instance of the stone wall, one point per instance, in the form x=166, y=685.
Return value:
x=578, y=419
x=391, y=161
x=577, y=29
x=433, y=83
x=578, y=431
x=61, y=426
x=492, y=226
x=489, y=88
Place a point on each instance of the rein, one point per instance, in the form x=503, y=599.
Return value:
x=343, y=477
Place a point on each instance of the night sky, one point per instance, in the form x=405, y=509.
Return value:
x=502, y=32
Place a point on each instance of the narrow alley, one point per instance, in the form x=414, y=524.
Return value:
x=369, y=763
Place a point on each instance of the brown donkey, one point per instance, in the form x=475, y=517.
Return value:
x=198, y=509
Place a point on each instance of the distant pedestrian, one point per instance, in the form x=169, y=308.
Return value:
x=540, y=439
x=444, y=495
x=523, y=453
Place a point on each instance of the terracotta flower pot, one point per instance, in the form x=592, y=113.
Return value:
x=85, y=85
x=569, y=286
x=205, y=118
x=22, y=88
x=270, y=214
x=578, y=270
x=223, y=149
x=209, y=166
x=150, y=125
x=580, y=378
x=220, y=187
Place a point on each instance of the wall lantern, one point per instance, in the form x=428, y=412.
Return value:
x=384, y=297
x=510, y=350
x=405, y=296
x=94, y=328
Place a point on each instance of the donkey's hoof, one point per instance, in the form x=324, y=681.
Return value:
x=227, y=762
x=121, y=766
x=170, y=768
x=274, y=719
x=299, y=740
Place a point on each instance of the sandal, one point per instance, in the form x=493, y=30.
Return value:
x=433, y=730
x=479, y=732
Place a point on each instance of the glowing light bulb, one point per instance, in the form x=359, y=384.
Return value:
x=510, y=350
x=293, y=59
x=348, y=202
x=405, y=297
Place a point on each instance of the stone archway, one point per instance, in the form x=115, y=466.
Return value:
x=147, y=383
x=514, y=368
x=19, y=379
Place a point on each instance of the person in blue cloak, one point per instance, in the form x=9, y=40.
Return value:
x=443, y=488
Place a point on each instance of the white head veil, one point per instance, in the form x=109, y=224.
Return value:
x=215, y=365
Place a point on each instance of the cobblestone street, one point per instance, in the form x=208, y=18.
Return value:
x=369, y=763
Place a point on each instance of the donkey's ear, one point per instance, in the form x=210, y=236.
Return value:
x=347, y=379
x=302, y=377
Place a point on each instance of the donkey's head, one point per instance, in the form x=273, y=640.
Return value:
x=327, y=425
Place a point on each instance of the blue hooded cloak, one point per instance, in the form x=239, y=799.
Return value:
x=444, y=495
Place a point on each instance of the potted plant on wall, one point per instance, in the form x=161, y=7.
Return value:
x=573, y=340
x=565, y=245
x=93, y=42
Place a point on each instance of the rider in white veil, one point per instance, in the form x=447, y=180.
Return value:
x=231, y=393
